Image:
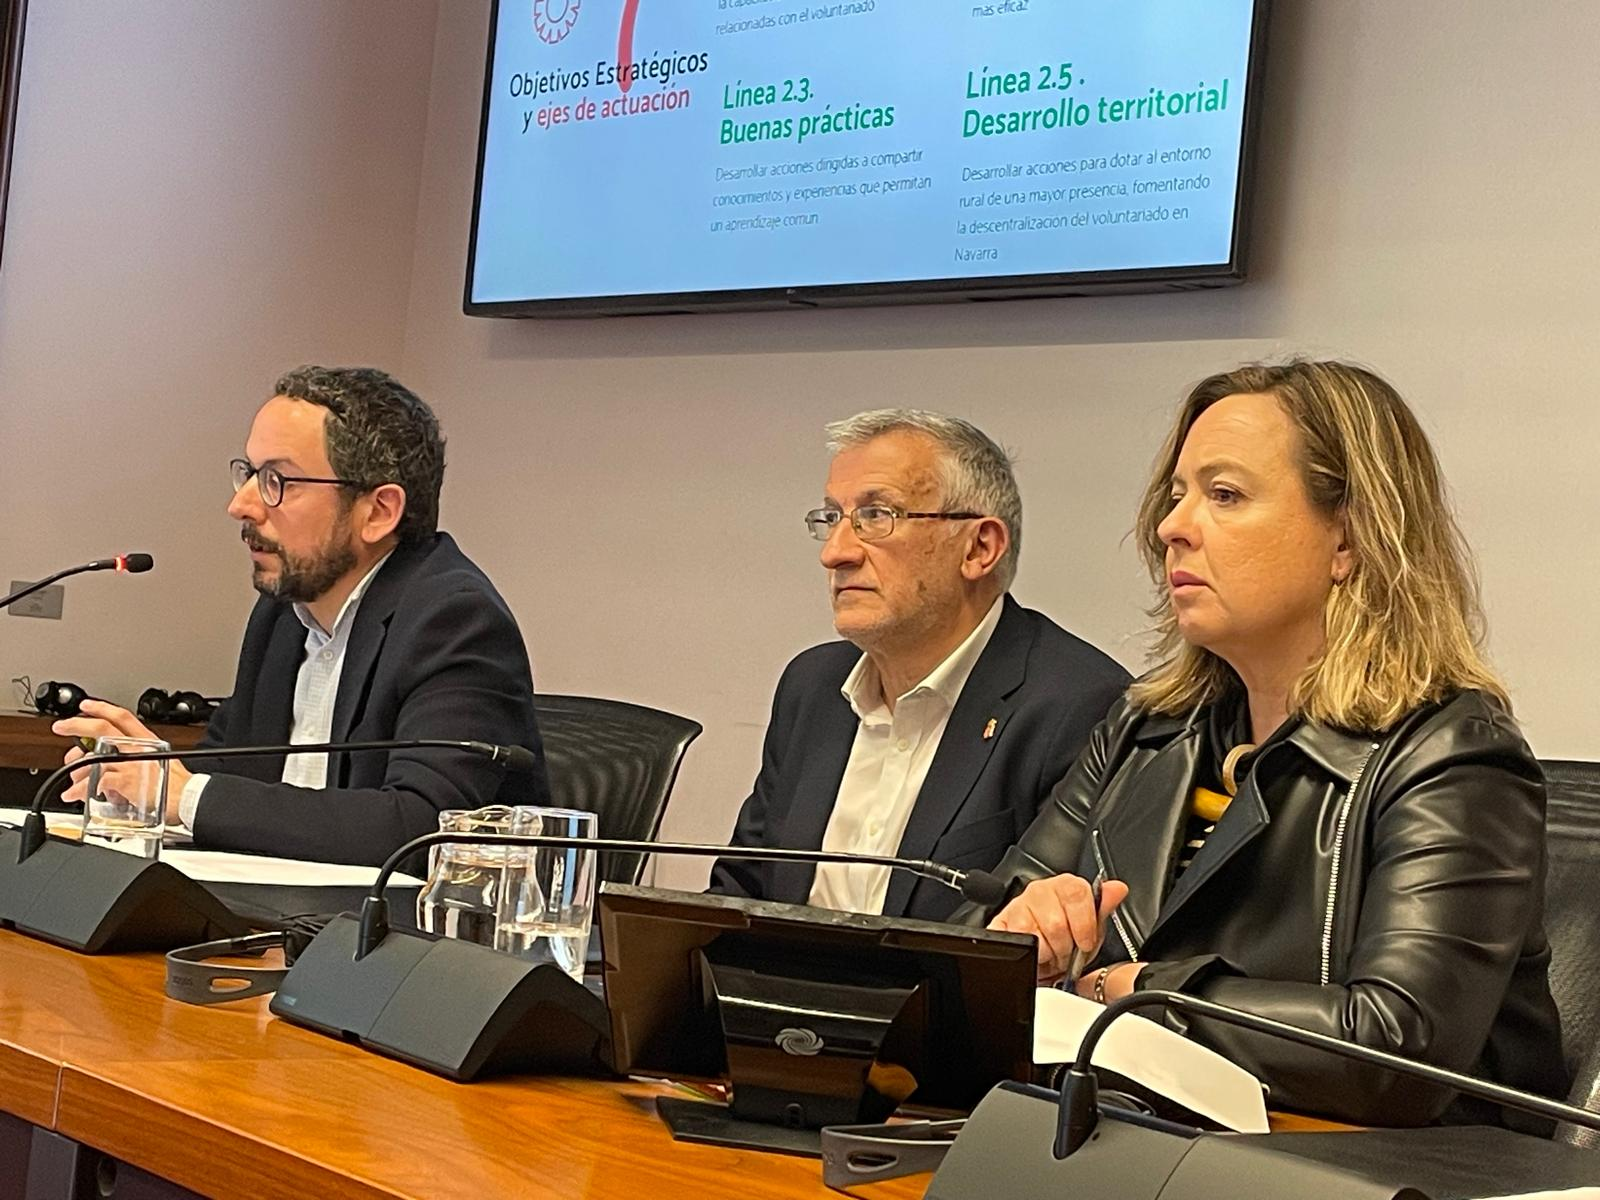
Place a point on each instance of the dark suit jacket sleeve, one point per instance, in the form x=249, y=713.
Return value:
x=1051, y=843
x=741, y=877
x=465, y=677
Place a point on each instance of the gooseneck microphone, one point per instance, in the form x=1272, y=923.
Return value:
x=97, y=900
x=128, y=564
x=360, y=981
x=34, y=831
x=1079, y=1112
x=978, y=886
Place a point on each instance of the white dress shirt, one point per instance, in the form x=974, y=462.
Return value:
x=888, y=762
x=316, y=687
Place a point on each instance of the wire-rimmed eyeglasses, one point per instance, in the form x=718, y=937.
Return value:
x=874, y=522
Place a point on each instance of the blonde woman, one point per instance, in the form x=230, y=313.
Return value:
x=1318, y=806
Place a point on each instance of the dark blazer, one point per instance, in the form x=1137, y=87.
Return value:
x=1044, y=689
x=434, y=652
x=1387, y=889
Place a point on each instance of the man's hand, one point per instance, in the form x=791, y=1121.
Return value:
x=98, y=719
x=1060, y=912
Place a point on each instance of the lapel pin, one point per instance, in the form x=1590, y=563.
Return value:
x=988, y=730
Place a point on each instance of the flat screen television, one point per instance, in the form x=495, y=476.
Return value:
x=679, y=155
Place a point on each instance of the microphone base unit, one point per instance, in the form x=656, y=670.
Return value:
x=100, y=901
x=455, y=1008
x=1133, y=1157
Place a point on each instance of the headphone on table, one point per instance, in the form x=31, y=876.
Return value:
x=54, y=699
x=193, y=978
x=156, y=707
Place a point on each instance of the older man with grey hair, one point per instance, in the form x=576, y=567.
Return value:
x=942, y=721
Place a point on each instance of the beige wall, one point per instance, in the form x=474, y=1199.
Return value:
x=205, y=193
x=635, y=486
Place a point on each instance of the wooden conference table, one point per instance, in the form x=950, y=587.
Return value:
x=230, y=1101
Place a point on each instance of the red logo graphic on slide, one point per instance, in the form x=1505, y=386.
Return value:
x=554, y=19
x=630, y=12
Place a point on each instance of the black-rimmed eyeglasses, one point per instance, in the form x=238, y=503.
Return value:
x=270, y=480
x=874, y=522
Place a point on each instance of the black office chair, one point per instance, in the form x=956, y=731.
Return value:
x=617, y=760
x=1572, y=921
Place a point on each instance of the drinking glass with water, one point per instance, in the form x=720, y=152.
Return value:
x=548, y=901
x=125, y=808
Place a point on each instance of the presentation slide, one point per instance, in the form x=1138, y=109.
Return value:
x=642, y=147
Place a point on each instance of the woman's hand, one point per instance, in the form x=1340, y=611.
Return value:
x=1118, y=982
x=1060, y=912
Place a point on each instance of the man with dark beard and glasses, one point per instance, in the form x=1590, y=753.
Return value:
x=371, y=625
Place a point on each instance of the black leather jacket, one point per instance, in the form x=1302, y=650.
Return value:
x=1388, y=890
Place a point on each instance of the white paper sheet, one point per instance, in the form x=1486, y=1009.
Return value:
x=1165, y=1062
x=217, y=866
x=1577, y=1193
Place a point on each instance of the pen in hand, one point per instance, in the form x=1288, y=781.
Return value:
x=1080, y=957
